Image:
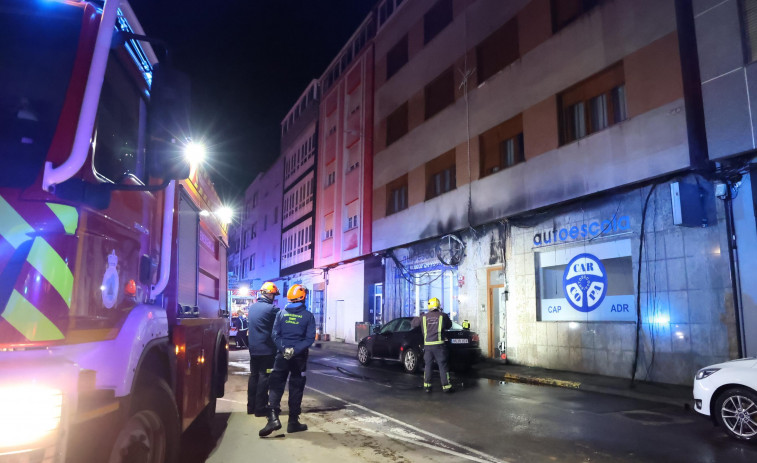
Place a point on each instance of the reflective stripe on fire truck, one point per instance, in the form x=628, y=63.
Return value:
x=18, y=311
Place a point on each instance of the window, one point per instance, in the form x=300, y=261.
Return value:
x=116, y=138
x=252, y=262
x=276, y=214
x=749, y=24
x=328, y=227
x=253, y=231
x=441, y=175
x=396, y=124
x=352, y=213
x=498, y=50
x=396, y=199
x=565, y=11
x=330, y=179
x=255, y=199
x=246, y=239
x=440, y=93
x=245, y=264
x=502, y=146
x=396, y=58
x=593, y=105
x=436, y=19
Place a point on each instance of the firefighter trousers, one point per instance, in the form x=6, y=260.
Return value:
x=436, y=352
x=261, y=367
x=294, y=369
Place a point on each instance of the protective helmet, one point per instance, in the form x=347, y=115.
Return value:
x=297, y=293
x=433, y=304
x=270, y=288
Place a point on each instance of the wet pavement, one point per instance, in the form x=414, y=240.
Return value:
x=379, y=413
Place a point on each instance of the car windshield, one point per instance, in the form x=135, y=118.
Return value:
x=36, y=70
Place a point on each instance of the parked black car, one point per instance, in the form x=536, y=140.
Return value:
x=397, y=341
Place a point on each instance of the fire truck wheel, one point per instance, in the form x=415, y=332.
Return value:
x=151, y=433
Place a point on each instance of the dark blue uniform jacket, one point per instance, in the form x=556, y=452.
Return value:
x=260, y=318
x=294, y=327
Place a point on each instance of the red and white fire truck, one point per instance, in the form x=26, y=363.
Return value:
x=113, y=317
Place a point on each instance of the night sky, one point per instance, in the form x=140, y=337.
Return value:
x=249, y=60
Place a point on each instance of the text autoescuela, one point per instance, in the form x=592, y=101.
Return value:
x=575, y=232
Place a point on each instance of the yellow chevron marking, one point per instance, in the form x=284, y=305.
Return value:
x=13, y=227
x=49, y=263
x=67, y=215
x=29, y=321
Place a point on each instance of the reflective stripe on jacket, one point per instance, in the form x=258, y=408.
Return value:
x=433, y=323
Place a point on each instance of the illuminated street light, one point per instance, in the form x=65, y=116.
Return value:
x=195, y=153
x=225, y=214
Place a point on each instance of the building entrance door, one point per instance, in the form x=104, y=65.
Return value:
x=495, y=283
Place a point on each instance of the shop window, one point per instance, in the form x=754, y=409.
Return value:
x=436, y=19
x=566, y=11
x=396, y=124
x=502, y=146
x=593, y=105
x=441, y=175
x=396, y=195
x=498, y=50
x=440, y=93
x=397, y=57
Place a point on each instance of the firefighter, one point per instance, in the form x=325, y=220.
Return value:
x=434, y=322
x=261, y=316
x=293, y=334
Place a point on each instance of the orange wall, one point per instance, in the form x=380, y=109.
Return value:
x=540, y=128
x=653, y=75
x=534, y=25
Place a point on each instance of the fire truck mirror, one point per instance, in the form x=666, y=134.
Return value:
x=168, y=123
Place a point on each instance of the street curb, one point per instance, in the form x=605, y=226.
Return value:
x=515, y=378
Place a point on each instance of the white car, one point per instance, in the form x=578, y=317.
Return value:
x=727, y=392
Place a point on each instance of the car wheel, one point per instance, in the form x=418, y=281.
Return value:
x=736, y=411
x=362, y=355
x=410, y=360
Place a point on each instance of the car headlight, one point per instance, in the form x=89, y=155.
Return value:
x=705, y=372
x=30, y=412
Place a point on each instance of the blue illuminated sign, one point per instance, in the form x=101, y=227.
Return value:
x=577, y=232
x=585, y=282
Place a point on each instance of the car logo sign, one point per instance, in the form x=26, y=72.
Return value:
x=585, y=282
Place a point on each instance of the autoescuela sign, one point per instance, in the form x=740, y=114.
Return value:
x=587, y=283
x=582, y=231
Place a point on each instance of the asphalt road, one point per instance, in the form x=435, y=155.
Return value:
x=380, y=414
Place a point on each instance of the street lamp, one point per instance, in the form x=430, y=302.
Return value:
x=195, y=153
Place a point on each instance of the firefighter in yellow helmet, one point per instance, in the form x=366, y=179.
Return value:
x=434, y=322
x=293, y=334
x=262, y=349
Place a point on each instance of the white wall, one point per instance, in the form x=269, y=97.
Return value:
x=344, y=300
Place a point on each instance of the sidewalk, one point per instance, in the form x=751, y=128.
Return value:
x=491, y=369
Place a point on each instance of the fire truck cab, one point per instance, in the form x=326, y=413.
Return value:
x=113, y=307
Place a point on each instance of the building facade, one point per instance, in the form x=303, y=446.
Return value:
x=536, y=167
x=726, y=36
x=345, y=170
x=260, y=229
x=299, y=147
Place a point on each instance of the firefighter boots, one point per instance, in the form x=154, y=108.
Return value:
x=272, y=425
x=294, y=425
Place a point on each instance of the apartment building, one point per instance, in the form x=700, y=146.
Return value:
x=299, y=146
x=726, y=36
x=536, y=167
x=344, y=189
x=260, y=229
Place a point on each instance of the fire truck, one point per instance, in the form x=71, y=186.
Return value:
x=113, y=307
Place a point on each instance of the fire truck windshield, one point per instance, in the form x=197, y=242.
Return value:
x=39, y=43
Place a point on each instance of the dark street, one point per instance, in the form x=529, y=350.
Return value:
x=484, y=420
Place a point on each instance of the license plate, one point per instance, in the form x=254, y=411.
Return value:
x=459, y=341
